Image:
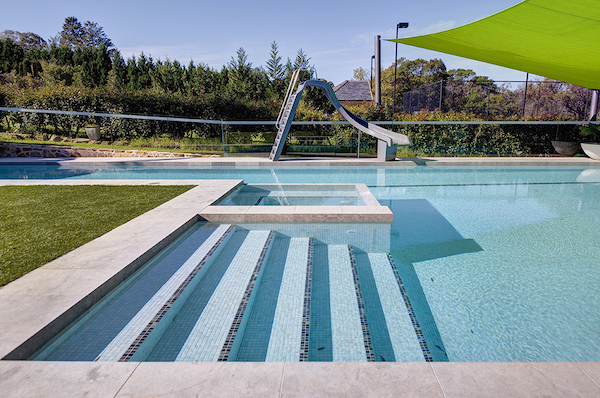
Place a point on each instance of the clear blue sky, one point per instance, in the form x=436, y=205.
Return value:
x=338, y=36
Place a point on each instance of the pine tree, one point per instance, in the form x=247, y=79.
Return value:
x=275, y=69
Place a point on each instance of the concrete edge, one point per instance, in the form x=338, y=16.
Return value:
x=301, y=162
x=298, y=214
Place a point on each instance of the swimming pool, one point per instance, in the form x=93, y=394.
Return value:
x=502, y=260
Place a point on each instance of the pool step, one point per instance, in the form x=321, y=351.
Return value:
x=254, y=295
x=321, y=302
x=94, y=331
x=156, y=315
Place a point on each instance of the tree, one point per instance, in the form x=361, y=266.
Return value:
x=410, y=75
x=275, y=69
x=301, y=60
x=27, y=40
x=11, y=56
x=244, y=82
x=74, y=35
x=361, y=74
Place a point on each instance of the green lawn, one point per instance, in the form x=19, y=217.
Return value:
x=41, y=223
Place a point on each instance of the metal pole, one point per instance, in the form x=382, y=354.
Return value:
x=395, y=68
x=441, y=93
x=525, y=95
x=223, y=139
x=399, y=26
x=372, y=59
x=378, y=70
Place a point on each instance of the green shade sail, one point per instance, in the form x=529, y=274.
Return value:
x=559, y=39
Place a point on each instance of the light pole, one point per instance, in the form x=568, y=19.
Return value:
x=372, y=60
x=401, y=25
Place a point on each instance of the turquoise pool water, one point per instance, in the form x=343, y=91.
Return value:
x=499, y=263
x=294, y=195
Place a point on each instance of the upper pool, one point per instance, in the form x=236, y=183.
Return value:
x=501, y=262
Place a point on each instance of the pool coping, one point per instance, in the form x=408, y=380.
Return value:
x=300, y=162
x=37, y=299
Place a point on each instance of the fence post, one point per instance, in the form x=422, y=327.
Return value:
x=223, y=139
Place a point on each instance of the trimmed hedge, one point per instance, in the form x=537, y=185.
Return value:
x=468, y=139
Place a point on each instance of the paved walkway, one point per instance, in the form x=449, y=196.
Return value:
x=38, y=304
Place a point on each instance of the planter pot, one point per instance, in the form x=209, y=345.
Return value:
x=591, y=149
x=93, y=132
x=566, y=148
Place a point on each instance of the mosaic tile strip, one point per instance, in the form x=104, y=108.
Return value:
x=320, y=337
x=361, y=308
x=120, y=343
x=346, y=323
x=411, y=313
x=174, y=338
x=306, y=310
x=254, y=343
x=167, y=305
x=206, y=338
x=244, y=303
x=286, y=330
x=401, y=332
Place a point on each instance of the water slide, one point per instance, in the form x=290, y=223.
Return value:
x=388, y=140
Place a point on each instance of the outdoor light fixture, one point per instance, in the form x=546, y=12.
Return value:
x=372, y=60
x=401, y=25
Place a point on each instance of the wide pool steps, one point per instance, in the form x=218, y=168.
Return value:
x=225, y=293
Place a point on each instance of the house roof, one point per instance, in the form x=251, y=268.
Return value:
x=354, y=90
x=552, y=38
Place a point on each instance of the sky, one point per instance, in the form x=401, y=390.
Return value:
x=338, y=36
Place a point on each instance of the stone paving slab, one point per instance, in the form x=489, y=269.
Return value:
x=296, y=379
x=262, y=379
x=516, y=379
x=66, y=379
x=300, y=214
x=400, y=379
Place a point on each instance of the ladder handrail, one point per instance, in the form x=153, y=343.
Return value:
x=288, y=93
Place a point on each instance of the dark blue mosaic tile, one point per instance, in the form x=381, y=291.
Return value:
x=320, y=347
x=380, y=338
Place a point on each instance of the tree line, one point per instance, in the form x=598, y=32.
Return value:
x=82, y=55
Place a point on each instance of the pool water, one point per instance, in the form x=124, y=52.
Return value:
x=498, y=263
x=294, y=195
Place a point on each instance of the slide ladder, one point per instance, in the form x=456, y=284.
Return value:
x=387, y=140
